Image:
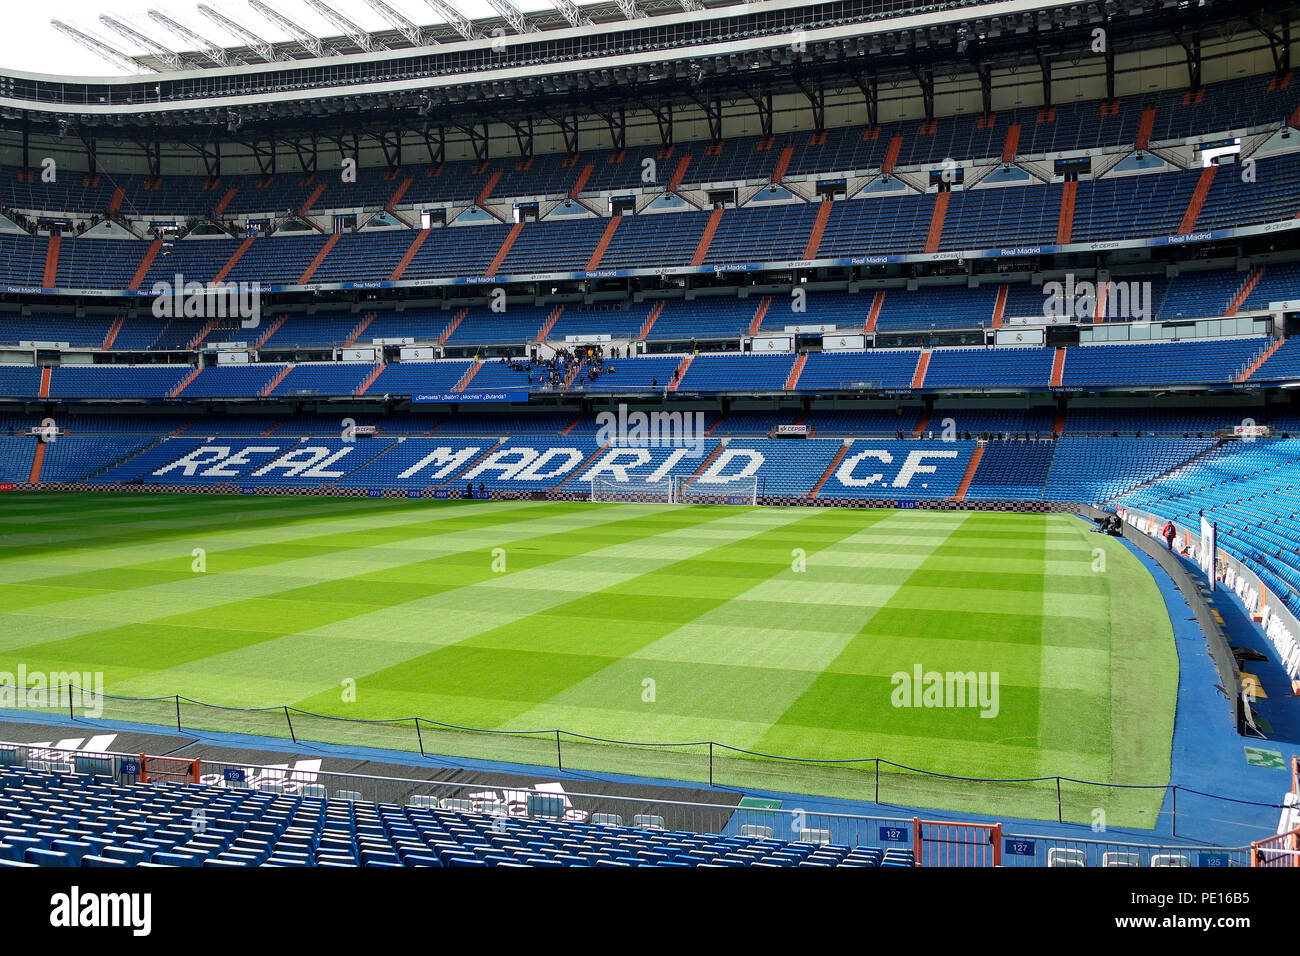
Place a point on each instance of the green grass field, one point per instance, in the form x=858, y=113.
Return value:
x=648, y=623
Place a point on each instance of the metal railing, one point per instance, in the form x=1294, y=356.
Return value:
x=876, y=780
x=1282, y=850
x=713, y=819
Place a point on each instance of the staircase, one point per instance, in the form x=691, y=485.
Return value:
x=650, y=320
x=279, y=377
x=1246, y=289
x=367, y=463
x=818, y=229
x=416, y=242
x=490, y=185
x=468, y=376
x=451, y=326
x=1065, y=223
x=792, y=380
x=1172, y=471
x=606, y=238
x=706, y=238
x=370, y=379
x=504, y=251
x=111, y=337
x=146, y=263
x=891, y=155
x=131, y=457
x=717, y=450
x=873, y=316
x=549, y=324
x=206, y=331
x=681, y=373
x=679, y=174
x=51, y=274
x=46, y=372
x=971, y=468
x=759, y=315
x=922, y=365
x=1000, y=307
x=225, y=201
x=581, y=181
x=275, y=327
x=830, y=470
x=569, y=377
x=1259, y=360
x=936, y=221
x=233, y=260
x=782, y=164
x=581, y=469
x=184, y=383
x=1058, y=368
x=472, y=465
x=1011, y=144
x=1198, y=199
x=361, y=327
x=922, y=423
x=311, y=200
x=1145, y=126
x=399, y=193
x=38, y=460
x=310, y=271
x=1103, y=297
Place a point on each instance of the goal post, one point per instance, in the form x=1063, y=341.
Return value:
x=682, y=489
x=691, y=491
x=605, y=488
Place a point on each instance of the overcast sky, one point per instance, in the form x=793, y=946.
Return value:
x=31, y=45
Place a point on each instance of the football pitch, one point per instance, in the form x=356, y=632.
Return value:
x=773, y=631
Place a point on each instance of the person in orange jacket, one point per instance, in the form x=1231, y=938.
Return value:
x=1169, y=532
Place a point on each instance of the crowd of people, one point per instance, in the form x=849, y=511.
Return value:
x=585, y=363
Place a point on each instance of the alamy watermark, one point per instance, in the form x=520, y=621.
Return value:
x=212, y=300
x=1086, y=300
x=624, y=429
x=952, y=689
x=78, y=909
x=62, y=690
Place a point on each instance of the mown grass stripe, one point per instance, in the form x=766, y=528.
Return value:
x=733, y=670
x=165, y=640
x=261, y=543
x=397, y=632
x=502, y=673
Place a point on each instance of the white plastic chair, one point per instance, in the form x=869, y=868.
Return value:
x=1121, y=858
x=1066, y=856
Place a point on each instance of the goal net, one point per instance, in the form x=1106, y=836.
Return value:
x=691, y=491
x=605, y=488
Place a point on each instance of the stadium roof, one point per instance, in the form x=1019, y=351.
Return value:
x=722, y=57
x=153, y=47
